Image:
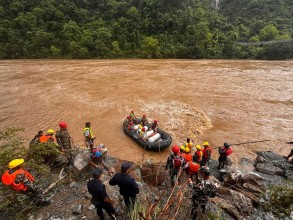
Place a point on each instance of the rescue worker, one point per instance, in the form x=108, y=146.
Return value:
x=144, y=120
x=155, y=127
x=96, y=157
x=130, y=126
x=187, y=155
x=88, y=135
x=224, y=153
x=182, y=151
x=174, y=163
x=100, y=199
x=142, y=134
x=206, y=153
x=63, y=138
x=48, y=138
x=128, y=186
x=202, y=192
x=132, y=115
x=129, y=119
x=197, y=157
x=188, y=144
x=22, y=181
x=36, y=139
x=192, y=169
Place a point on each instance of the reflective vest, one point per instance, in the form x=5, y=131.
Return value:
x=19, y=186
x=207, y=152
x=142, y=134
x=189, y=145
x=188, y=157
x=132, y=116
x=193, y=168
x=90, y=131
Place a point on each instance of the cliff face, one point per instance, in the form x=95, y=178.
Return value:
x=265, y=193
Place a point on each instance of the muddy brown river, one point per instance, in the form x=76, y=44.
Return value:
x=206, y=100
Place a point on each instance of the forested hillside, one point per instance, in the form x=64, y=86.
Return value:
x=144, y=28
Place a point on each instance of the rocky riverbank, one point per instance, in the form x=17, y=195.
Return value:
x=263, y=193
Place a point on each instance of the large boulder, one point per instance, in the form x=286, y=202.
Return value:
x=269, y=168
x=81, y=161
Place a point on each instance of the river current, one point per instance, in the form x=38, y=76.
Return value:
x=206, y=100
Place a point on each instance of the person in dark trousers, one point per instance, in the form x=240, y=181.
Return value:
x=128, y=186
x=36, y=139
x=100, y=199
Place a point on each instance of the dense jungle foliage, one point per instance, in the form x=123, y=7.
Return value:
x=145, y=29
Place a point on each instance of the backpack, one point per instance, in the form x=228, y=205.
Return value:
x=177, y=162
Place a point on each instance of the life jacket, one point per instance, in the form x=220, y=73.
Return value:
x=193, y=168
x=154, y=126
x=142, y=134
x=44, y=139
x=8, y=178
x=132, y=116
x=177, y=162
x=225, y=152
x=91, y=133
x=188, y=157
x=189, y=145
x=130, y=127
x=206, y=152
x=198, y=156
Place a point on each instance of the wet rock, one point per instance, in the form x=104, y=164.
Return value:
x=252, y=188
x=152, y=174
x=73, y=185
x=269, y=168
x=77, y=209
x=81, y=161
x=252, y=179
x=227, y=207
x=270, y=156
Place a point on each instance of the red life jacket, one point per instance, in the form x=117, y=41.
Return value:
x=18, y=186
x=198, y=154
x=193, y=168
x=228, y=151
x=177, y=162
x=225, y=151
x=206, y=151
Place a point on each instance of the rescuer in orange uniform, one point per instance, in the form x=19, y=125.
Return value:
x=22, y=181
x=206, y=154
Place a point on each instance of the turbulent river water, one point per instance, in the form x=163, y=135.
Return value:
x=206, y=100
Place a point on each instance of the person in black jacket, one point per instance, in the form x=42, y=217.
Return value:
x=128, y=186
x=99, y=195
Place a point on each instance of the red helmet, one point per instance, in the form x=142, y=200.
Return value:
x=155, y=121
x=131, y=123
x=144, y=115
x=175, y=149
x=128, y=117
x=143, y=129
x=62, y=124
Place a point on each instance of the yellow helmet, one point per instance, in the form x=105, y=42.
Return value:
x=198, y=147
x=187, y=150
x=205, y=143
x=50, y=131
x=15, y=163
x=182, y=148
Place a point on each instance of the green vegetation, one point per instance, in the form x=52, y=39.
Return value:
x=144, y=29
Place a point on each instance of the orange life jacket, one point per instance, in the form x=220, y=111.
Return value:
x=19, y=186
x=46, y=138
x=188, y=157
x=193, y=168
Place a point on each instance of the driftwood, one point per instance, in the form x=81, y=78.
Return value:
x=60, y=177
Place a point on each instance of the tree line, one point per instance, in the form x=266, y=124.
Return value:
x=144, y=29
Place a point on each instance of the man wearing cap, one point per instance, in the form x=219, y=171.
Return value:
x=128, y=186
x=206, y=153
x=22, y=181
x=224, y=153
x=100, y=199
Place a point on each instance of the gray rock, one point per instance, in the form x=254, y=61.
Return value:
x=269, y=168
x=81, y=161
x=91, y=207
x=77, y=209
x=73, y=184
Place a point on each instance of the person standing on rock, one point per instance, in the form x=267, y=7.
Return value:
x=197, y=157
x=175, y=163
x=100, y=199
x=206, y=153
x=88, y=135
x=201, y=192
x=188, y=144
x=128, y=186
x=63, y=138
x=224, y=153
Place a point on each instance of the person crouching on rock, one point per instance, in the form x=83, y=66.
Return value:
x=22, y=181
x=224, y=153
x=128, y=186
x=100, y=199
